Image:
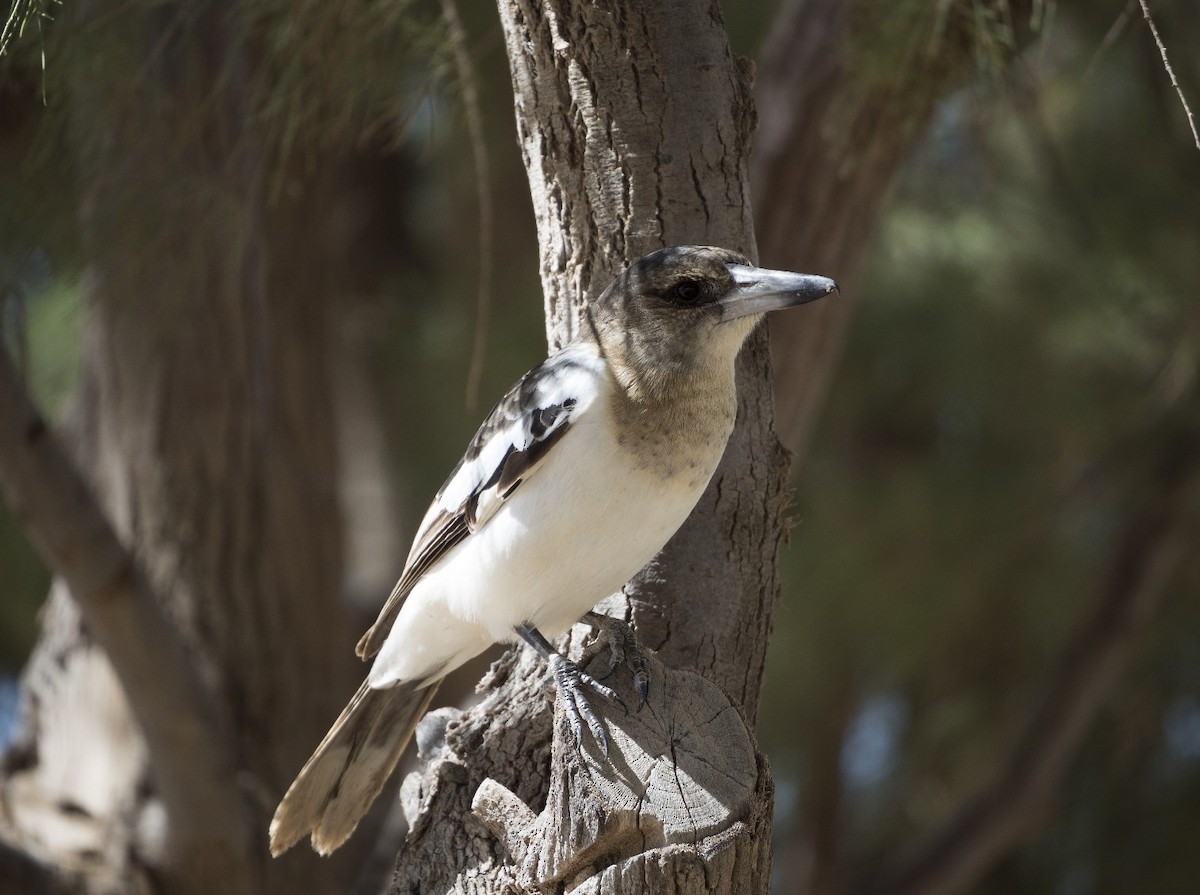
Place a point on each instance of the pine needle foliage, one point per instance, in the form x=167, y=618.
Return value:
x=329, y=74
x=25, y=15
x=915, y=41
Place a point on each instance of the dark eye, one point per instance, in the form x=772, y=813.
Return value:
x=688, y=290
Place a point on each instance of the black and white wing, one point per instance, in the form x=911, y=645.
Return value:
x=508, y=448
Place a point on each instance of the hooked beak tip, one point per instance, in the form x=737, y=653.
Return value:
x=758, y=290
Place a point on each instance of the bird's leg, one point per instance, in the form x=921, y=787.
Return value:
x=572, y=682
x=623, y=646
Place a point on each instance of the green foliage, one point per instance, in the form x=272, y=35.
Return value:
x=1027, y=346
x=54, y=337
x=910, y=42
x=25, y=15
x=52, y=331
x=289, y=81
x=388, y=55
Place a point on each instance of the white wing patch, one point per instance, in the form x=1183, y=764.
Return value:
x=508, y=448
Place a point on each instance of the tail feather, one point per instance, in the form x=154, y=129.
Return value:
x=339, y=782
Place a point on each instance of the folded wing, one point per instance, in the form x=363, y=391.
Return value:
x=506, y=451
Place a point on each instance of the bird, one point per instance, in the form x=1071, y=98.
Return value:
x=574, y=481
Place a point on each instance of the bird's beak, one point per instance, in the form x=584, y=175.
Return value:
x=757, y=291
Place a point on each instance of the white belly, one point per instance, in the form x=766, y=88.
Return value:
x=574, y=533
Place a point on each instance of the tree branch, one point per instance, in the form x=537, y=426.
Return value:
x=192, y=763
x=1162, y=51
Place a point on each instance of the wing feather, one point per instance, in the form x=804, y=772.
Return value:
x=510, y=445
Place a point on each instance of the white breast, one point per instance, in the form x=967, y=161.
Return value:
x=574, y=533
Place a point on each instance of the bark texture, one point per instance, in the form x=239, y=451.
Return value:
x=634, y=122
x=635, y=128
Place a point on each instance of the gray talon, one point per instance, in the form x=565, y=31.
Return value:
x=641, y=682
x=572, y=685
x=623, y=647
x=615, y=659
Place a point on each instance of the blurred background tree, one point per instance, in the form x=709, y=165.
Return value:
x=984, y=674
x=1016, y=407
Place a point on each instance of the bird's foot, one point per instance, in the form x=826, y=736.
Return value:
x=573, y=684
x=623, y=646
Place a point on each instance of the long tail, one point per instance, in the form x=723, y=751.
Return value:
x=337, y=785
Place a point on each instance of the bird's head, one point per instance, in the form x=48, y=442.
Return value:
x=691, y=307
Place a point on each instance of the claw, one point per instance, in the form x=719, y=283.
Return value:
x=572, y=683
x=623, y=648
x=641, y=682
x=616, y=658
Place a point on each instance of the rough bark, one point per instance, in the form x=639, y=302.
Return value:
x=205, y=429
x=634, y=122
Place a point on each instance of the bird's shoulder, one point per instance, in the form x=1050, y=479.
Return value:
x=530, y=417
x=507, y=449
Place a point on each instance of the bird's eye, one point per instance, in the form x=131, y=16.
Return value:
x=688, y=290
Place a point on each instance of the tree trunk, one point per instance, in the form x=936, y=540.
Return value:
x=634, y=122
x=205, y=429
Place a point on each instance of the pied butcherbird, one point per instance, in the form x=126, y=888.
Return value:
x=576, y=479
